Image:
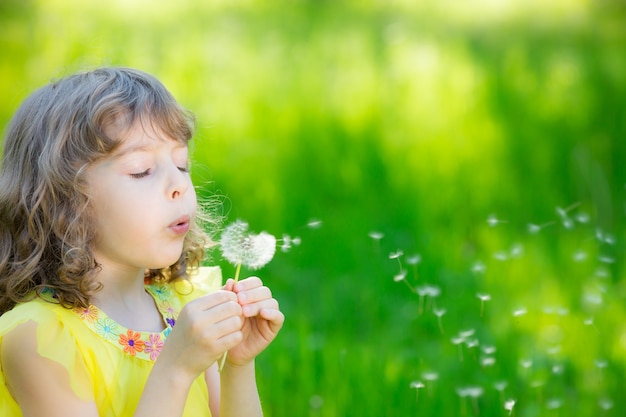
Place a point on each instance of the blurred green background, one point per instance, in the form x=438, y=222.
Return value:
x=484, y=140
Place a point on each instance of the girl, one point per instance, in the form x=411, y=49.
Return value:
x=105, y=310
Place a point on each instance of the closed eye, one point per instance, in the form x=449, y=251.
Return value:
x=183, y=169
x=141, y=174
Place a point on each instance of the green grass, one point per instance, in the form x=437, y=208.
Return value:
x=417, y=122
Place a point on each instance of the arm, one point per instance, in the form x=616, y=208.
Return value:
x=39, y=385
x=262, y=322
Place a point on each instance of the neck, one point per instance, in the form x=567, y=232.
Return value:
x=124, y=299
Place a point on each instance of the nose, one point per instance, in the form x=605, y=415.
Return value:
x=178, y=183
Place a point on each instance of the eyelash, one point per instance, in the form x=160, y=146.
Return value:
x=147, y=172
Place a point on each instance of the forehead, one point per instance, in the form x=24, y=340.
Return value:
x=140, y=138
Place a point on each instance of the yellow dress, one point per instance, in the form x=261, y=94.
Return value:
x=108, y=363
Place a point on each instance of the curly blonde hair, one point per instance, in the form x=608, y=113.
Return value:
x=46, y=232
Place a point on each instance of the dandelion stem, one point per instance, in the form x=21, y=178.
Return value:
x=223, y=361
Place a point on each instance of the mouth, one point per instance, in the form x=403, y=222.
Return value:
x=181, y=225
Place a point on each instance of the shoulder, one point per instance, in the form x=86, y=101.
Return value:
x=37, y=310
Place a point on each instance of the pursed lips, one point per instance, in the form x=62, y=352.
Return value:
x=180, y=226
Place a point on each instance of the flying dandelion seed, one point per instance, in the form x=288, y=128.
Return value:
x=579, y=256
x=554, y=403
x=558, y=369
x=430, y=377
x=501, y=256
x=582, y=218
x=508, y=405
x=526, y=363
x=439, y=312
x=605, y=403
x=314, y=224
x=479, y=267
x=489, y=350
x=500, y=386
x=487, y=361
x=493, y=221
x=533, y=228
x=417, y=385
x=516, y=251
x=520, y=312
x=483, y=298
x=396, y=255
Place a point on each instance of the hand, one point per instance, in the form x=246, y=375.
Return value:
x=206, y=327
x=262, y=319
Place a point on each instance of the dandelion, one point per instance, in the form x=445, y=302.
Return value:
x=241, y=247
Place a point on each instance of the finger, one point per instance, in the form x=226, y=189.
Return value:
x=228, y=286
x=253, y=309
x=275, y=319
x=209, y=301
x=254, y=295
x=248, y=283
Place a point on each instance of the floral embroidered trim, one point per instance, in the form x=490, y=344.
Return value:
x=143, y=345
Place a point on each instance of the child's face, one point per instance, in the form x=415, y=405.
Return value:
x=143, y=200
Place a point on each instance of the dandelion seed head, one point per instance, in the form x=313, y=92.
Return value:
x=241, y=247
